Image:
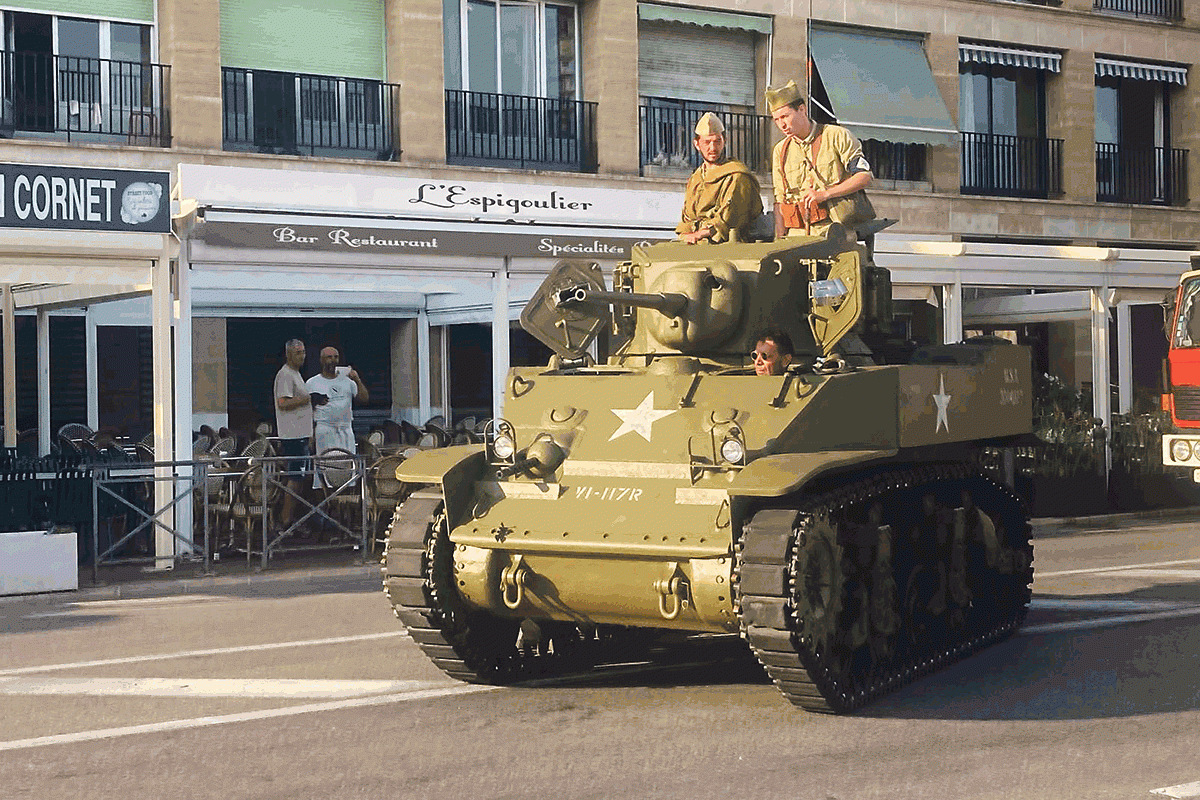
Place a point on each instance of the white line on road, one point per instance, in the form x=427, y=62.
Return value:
x=247, y=716
x=1098, y=570
x=1184, y=791
x=68, y=609
x=271, y=688
x=1105, y=622
x=215, y=651
x=1083, y=604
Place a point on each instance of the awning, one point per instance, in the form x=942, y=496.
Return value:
x=704, y=18
x=1139, y=71
x=1048, y=60
x=881, y=87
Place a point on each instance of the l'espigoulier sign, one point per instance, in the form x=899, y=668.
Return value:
x=401, y=241
x=81, y=198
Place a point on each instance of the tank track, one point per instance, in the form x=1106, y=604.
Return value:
x=479, y=647
x=850, y=594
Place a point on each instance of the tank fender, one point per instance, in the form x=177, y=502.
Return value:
x=455, y=469
x=775, y=476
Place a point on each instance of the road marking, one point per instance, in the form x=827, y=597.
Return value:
x=215, y=651
x=69, y=609
x=247, y=716
x=1105, y=622
x=1080, y=604
x=209, y=687
x=1184, y=791
x=1097, y=570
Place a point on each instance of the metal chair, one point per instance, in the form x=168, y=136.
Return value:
x=336, y=470
x=384, y=492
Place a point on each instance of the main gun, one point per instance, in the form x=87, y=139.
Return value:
x=670, y=304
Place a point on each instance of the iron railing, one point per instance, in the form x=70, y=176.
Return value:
x=292, y=113
x=665, y=134
x=486, y=129
x=896, y=161
x=1150, y=175
x=1170, y=10
x=84, y=99
x=1011, y=166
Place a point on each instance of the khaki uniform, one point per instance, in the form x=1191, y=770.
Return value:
x=839, y=148
x=725, y=197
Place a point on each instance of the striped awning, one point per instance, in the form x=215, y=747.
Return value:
x=1047, y=60
x=1140, y=71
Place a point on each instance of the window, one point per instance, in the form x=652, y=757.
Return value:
x=1002, y=115
x=517, y=48
x=76, y=74
x=1134, y=160
x=1002, y=100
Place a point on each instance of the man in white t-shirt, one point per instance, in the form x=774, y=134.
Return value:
x=335, y=389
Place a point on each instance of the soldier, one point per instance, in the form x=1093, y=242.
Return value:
x=722, y=197
x=812, y=165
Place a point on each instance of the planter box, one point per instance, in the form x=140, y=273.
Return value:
x=1082, y=495
x=37, y=561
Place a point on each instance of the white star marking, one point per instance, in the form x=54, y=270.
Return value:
x=943, y=404
x=638, y=420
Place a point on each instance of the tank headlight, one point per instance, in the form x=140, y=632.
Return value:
x=1181, y=450
x=733, y=451
x=504, y=447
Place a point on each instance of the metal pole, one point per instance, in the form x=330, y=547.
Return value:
x=10, y=367
x=500, y=340
x=43, y=381
x=92, y=368
x=164, y=449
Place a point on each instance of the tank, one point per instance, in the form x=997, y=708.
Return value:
x=837, y=518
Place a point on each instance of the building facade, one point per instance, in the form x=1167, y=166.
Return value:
x=393, y=177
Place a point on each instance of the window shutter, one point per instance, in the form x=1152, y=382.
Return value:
x=339, y=38
x=688, y=62
x=123, y=10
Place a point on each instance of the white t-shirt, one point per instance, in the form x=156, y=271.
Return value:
x=341, y=392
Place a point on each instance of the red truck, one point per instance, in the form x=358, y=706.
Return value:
x=1181, y=447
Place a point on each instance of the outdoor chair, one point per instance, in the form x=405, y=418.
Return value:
x=335, y=468
x=384, y=492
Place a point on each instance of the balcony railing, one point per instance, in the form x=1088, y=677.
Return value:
x=486, y=129
x=84, y=99
x=1149, y=175
x=1011, y=166
x=896, y=161
x=291, y=113
x=666, y=132
x=1170, y=10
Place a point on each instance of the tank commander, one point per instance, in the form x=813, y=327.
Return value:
x=773, y=352
x=813, y=164
x=723, y=197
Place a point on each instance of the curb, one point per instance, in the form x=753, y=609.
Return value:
x=1102, y=520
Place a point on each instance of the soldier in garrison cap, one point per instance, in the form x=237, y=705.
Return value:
x=813, y=164
x=722, y=197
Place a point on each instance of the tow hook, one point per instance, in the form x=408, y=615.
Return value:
x=673, y=591
x=512, y=581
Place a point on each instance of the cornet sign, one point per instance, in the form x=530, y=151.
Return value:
x=79, y=198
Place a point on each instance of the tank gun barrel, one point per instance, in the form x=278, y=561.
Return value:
x=670, y=304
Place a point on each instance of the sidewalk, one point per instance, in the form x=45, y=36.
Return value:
x=126, y=580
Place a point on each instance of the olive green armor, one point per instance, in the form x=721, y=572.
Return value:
x=838, y=518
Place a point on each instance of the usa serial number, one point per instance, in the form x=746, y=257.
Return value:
x=616, y=493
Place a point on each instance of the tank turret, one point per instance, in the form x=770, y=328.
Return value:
x=836, y=517
x=711, y=301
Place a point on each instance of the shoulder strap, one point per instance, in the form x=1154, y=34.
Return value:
x=787, y=142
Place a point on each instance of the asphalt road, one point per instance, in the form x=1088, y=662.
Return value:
x=305, y=686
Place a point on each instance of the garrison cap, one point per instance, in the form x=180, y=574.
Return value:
x=783, y=96
x=709, y=124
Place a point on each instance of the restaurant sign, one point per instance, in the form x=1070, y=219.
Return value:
x=401, y=241
x=81, y=198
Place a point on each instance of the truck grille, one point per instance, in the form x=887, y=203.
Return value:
x=1187, y=402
